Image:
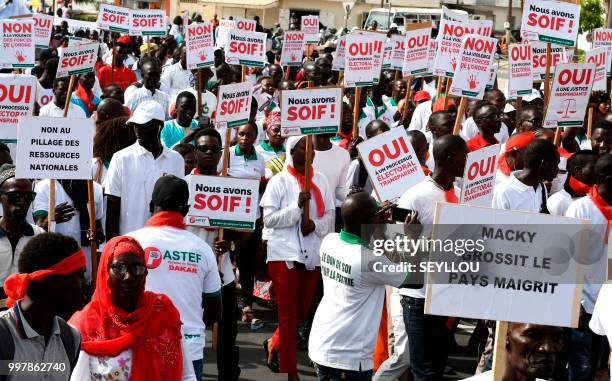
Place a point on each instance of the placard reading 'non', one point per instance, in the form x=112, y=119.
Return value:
x=54, y=148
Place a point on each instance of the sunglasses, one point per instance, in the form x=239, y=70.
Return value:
x=15, y=197
x=205, y=148
x=123, y=268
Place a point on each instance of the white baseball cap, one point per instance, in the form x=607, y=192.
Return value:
x=146, y=112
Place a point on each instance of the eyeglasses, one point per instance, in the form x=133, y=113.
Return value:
x=123, y=268
x=492, y=117
x=15, y=197
x=205, y=148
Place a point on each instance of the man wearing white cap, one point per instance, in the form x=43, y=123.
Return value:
x=133, y=171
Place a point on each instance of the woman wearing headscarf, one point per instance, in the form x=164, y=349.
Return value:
x=129, y=333
x=293, y=248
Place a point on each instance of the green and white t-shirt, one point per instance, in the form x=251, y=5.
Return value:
x=346, y=323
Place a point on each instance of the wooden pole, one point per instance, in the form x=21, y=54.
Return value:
x=589, y=122
x=287, y=72
x=449, y=83
x=307, y=172
x=547, y=76
x=460, y=112
x=407, y=97
x=200, y=93
x=69, y=94
x=51, y=215
x=356, y=112
x=92, y=230
x=439, y=86
x=499, y=350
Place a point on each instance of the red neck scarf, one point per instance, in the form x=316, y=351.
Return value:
x=16, y=285
x=166, y=218
x=85, y=96
x=478, y=142
x=450, y=196
x=152, y=331
x=578, y=187
x=314, y=189
x=426, y=170
x=601, y=204
x=503, y=165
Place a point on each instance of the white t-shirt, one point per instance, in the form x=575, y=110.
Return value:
x=138, y=95
x=51, y=110
x=559, y=202
x=345, y=326
x=423, y=198
x=132, y=174
x=335, y=173
x=512, y=194
x=174, y=78
x=239, y=166
x=420, y=117
x=282, y=217
x=601, y=321
x=469, y=130
x=596, y=271
x=183, y=267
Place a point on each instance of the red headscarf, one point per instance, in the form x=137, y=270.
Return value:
x=16, y=285
x=86, y=96
x=152, y=331
x=516, y=142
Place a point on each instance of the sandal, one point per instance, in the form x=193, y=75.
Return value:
x=247, y=315
x=273, y=363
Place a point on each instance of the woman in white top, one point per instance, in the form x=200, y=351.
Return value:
x=111, y=136
x=129, y=333
x=293, y=248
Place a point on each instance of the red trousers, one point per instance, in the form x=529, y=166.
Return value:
x=294, y=289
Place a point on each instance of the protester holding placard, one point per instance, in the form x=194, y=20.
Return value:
x=524, y=190
x=191, y=276
x=209, y=100
x=44, y=87
x=208, y=154
x=580, y=179
x=427, y=334
x=55, y=109
x=498, y=99
x=83, y=95
x=293, y=248
x=133, y=171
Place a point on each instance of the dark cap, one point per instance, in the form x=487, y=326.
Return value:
x=170, y=192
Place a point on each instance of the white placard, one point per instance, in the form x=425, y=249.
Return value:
x=223, y=202
x=391, y=163
x=339, y=57
x=601, y=58
x=479, y=176
x=293, y=48
x=200, y=47
x=17, y=43
x=527, y=269
x=43, y=24
x=475, y=64
x=398, y=51
x=222, y=31
x=245, y=25
x=550, y=21
x=569, y=95
x=310, y=26
x=311, y=111
x=449, y=42
x=520, y=81
x=245, y=48
x=114, y=18
x=77, y=59
x=417, y=51
x=363, y=59
x=234, y=105
x=17, y=92
x=148, y=22
x=54, y=148
x=558, y=54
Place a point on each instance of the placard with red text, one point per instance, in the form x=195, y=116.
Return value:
x=311, y=111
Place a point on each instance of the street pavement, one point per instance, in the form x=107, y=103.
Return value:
x=459, y=366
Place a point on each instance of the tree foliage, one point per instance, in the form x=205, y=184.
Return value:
x=591, y=15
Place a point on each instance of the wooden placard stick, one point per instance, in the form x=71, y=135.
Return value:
x=499, y=350
x=407, y=97
x=589, y=123
x=307, y=172
x=449, y=83
x=356, y=112
x=460, y=112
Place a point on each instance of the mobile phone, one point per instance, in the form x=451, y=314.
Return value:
x=399, y=214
